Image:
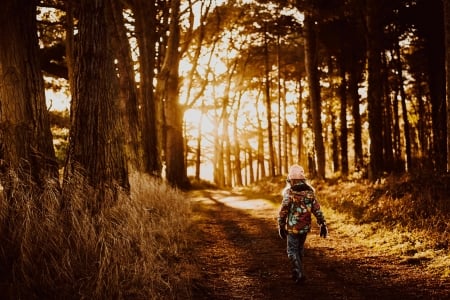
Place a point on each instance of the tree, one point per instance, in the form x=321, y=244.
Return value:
x=268, y=100
x=147, y=36
x=311, y=61
x=447, y=65
x=96, y=148
x=129, y=102
x=431, y=29
x=26, y=146
x=374, y=95
x=168, y=90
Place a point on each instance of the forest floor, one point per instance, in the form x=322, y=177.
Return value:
x=238, y=255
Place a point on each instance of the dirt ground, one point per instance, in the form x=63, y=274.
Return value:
x=240, y=256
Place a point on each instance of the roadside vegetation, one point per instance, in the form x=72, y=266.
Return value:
x=402, y=216
x=132, y=250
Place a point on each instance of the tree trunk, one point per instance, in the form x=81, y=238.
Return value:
x=356, y=116
x=334, y=143
x=237, y=146
x=26, y=144
x=406, y=126
x=374, y=95
x=435, y=48
x=280, y=124
x=261, y=168
x=168, y=88
x=387, y=119
x=96, y=145
x=198, y=150
x=128, y=92
x=286, y=132
x=397, y=145
x=343, y=120
x=251, y=172
x=300, y=148
x=311, y=63
x=226, y=140
x=268, y=106
x=447, y=65
x=151, y=110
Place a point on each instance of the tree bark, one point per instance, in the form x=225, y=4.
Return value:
x=406, y=126
x=374, y=95
x=129, y=104
x=447, y=65
x=237, y=146
x=176, y=173
x=151, y=104
x=96, y=147
x=300, y=147
x=26, y=144
x=268, y=106
x=343, y=119
x=311, y=57
x=356, y=116
x=435, y=48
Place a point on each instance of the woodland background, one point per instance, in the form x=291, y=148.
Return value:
x=349, y=89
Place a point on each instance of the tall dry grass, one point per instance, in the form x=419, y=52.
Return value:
x=131, y=250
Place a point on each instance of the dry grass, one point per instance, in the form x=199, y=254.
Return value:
x=132, y=250
x=407, y=217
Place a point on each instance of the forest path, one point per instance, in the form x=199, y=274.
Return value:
x=239, y=256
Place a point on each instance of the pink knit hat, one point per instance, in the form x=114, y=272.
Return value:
x=296, y=172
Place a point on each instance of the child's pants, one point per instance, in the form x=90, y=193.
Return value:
x=295, y=251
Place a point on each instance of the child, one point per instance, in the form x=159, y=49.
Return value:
x=294, y=220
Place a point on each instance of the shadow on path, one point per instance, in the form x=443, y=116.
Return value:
x=240, y=256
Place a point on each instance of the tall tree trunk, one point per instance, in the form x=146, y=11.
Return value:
x=446, y=4
x=280, y=123
x=424, y=132
x=96, y=147
x=226, y=140
x=356, y=116
x=311, y=63
x=237, y=146
x=268, y=106
x=374, y=96
x=406, y=126
x=397, y=145
x=128, y=92
x=387, y=118
x=219, y=172
x=198, y=150
x=435, y=48
x=343, y=118
x=26, y=144
x=300, y=148
x=334, y=143
x=286, y=132
x=176, y=172
x=151, y=108
x=261, y=168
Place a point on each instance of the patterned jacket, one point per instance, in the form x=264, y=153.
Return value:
x=299, y=202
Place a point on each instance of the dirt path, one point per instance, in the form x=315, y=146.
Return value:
x=240, y=256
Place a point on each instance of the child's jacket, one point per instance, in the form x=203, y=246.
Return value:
x=299, y=202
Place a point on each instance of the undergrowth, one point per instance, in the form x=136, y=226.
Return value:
x=131, y=250
x=401, y=216
x=405, y=216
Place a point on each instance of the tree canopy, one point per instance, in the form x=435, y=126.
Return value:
x=234, y=91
